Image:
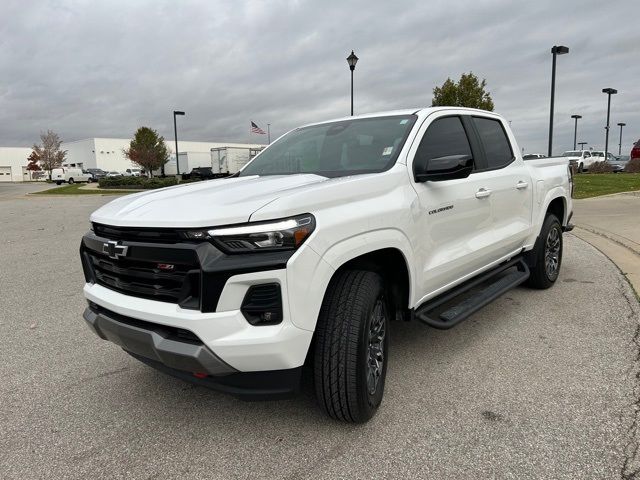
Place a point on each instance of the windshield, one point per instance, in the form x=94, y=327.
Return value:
x=572, y=153
x=349, y=147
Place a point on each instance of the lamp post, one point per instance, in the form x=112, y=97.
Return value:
x=575, y=129
x=175, y=134
x=621, y=124
x=609, y=92
x=555, y=50
x=352, y=60
x=582, y=144
x=268, y=134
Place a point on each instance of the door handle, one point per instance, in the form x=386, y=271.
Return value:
x=520, y=185
x=483, y=193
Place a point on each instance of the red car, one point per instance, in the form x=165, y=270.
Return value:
x=635, y=151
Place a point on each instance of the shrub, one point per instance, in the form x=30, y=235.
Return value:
x=633, y=166
x=600, y=167
x=136, y=183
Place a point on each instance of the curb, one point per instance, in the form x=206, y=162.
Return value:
x=624, y=256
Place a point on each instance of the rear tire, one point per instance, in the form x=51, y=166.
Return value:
x=580, y=168
x=352, y=345
x=71, y=181
x=548, y=254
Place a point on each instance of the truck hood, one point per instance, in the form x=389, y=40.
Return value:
x=201, y=204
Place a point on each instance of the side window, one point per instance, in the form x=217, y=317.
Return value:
x=494, y=139
x=587, y=155
x=444, y=137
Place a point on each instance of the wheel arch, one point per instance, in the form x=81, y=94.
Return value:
x=391, y=264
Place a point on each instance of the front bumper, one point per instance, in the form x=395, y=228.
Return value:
x=173, y=347
x=202, y=293
x=181, y=354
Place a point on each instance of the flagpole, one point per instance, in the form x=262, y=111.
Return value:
x=268, y=133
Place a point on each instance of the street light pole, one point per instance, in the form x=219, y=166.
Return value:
x=268, y=133
x=582, y=144
x=575, y=129
x=609, y=92
x=555, y=50
x=175, y=135
x=621, y=124
x=352, y=60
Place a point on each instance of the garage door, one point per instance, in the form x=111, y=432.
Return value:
x=5, y=174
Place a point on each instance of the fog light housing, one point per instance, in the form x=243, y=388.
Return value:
x=262, y=304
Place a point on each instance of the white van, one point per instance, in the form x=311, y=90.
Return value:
x=70, y=175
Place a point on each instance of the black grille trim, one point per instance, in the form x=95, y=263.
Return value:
x=137, y=234
x=144, y=279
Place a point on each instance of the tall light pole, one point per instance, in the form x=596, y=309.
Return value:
x=268, y=134
x=609, y=92
x=621, y=124
x=352, y=60
x=555, y=50
x=575, y=129
x=582, y=144
x=175, y=134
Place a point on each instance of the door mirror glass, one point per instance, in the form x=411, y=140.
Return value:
x=446, y=168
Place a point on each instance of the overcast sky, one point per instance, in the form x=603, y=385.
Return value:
x=102, y=69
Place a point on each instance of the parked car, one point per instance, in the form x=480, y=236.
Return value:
x=618, y=163
x=96, y=173
x=582, y=159
x=132, y=172
x=635, y=151
x=202, y=173
x=317, y=244
x=533, y=156
x=69, y=175
x=113, y=174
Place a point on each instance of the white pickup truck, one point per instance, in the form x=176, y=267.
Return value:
x=307, y=255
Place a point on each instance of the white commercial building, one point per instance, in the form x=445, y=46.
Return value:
x=104, y=153
x=13, y=164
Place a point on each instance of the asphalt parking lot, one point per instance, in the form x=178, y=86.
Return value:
x=540, y=384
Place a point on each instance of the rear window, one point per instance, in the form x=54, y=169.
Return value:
x=494, y=139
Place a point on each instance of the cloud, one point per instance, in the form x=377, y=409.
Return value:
x=89, y=69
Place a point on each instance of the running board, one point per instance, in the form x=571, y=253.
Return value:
x=475, y=301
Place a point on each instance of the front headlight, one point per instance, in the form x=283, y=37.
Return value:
x=285, y=234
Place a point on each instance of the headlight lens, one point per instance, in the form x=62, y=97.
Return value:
x=285, y=234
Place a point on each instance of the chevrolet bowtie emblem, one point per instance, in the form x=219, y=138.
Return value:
x=114, y=250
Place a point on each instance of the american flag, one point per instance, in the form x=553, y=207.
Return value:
x=256, y=129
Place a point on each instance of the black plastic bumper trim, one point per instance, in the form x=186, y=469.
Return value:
x=155, y=342
x=249, y=386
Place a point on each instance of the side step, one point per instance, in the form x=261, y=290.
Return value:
x=497, y=281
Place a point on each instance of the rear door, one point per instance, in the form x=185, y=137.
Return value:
x=453, y=219
x=508, y=184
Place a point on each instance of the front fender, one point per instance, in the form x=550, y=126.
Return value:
x=309, y=274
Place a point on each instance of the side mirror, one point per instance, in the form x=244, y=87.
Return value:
x=444, y=168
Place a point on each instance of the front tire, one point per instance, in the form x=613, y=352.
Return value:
x=352, y=345
x=547, y=254
x=71, y=181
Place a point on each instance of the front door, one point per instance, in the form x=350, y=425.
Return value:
x=453, y=218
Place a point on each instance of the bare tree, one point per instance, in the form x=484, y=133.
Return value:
x=49, y=154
